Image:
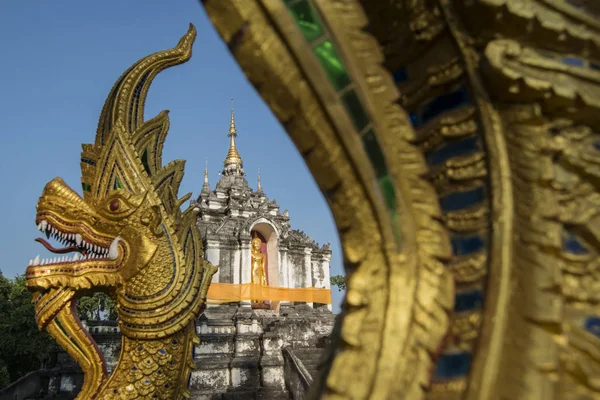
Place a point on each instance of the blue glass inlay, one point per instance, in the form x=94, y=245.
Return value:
x=453, y=365
x=468, y=301
x=573, y=61
x=443, y=103
x=162, y=351
x=576, y=3
x=461, y=200
x=464, y=245
x=400, y=75
x=414, y=119
x=571, y=244
x=455, y=149
x=592, y=325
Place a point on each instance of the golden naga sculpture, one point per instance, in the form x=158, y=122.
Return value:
x=457, y=145
x=130, y=239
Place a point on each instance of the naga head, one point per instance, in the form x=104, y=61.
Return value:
x=127, y=235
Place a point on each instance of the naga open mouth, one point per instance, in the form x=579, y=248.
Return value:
x=95, y=257
x=74, y=242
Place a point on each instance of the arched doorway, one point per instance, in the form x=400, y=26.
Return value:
x=270, y=248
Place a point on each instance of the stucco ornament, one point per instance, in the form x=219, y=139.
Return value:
x=129, y=238
x=456, y=143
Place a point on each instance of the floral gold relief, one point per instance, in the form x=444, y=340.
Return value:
x=457, y=145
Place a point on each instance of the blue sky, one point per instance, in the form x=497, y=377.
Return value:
x=61, y=58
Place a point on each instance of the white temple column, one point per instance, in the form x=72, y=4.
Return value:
x=325, y=265
x=284, y=269
x=236, y=262
x=307, y=270
x=212, y=254
x=244, y=273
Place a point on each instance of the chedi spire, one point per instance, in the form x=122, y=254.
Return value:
x=206, y=186
x=259, y=188
x=233, y=164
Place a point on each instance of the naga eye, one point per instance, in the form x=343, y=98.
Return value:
x=114, y=205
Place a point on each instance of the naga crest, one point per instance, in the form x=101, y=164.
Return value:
x=127, y=236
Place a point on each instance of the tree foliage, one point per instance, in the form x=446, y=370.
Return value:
x=97, y=307
x=23, y=347
x=339, y=281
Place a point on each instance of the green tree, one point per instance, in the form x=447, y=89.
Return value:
x=339, y=281
x=97, y=307
x=23, y=347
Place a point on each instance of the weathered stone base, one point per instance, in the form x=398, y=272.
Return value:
x=240, y=353
x=239, y=356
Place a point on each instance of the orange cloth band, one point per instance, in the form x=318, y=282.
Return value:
x=231, y=292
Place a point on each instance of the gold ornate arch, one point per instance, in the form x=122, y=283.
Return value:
x=456, y=145
x=395, y=313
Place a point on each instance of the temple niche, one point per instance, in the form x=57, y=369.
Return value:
x=231, y=217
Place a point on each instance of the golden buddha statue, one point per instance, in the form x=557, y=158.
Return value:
x=259, y=276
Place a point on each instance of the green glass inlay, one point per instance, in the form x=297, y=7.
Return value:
x=387, y=189
x=356, y=110
x=307, y=20
x=117, y=184
x=375, y=154
x=145, y=161
x=86, y=186
x=395, y=221
x=332, y=63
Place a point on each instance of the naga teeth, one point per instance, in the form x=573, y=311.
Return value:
x=44, y=225
x=113, y=252
x=78, y=239
x=36, y=260
x=76, y=257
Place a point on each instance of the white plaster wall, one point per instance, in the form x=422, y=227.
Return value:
x=210, y=379
x=273, y=377
x=206, y=347
x=244, y=274
x=212, y=254
x=239, y=376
